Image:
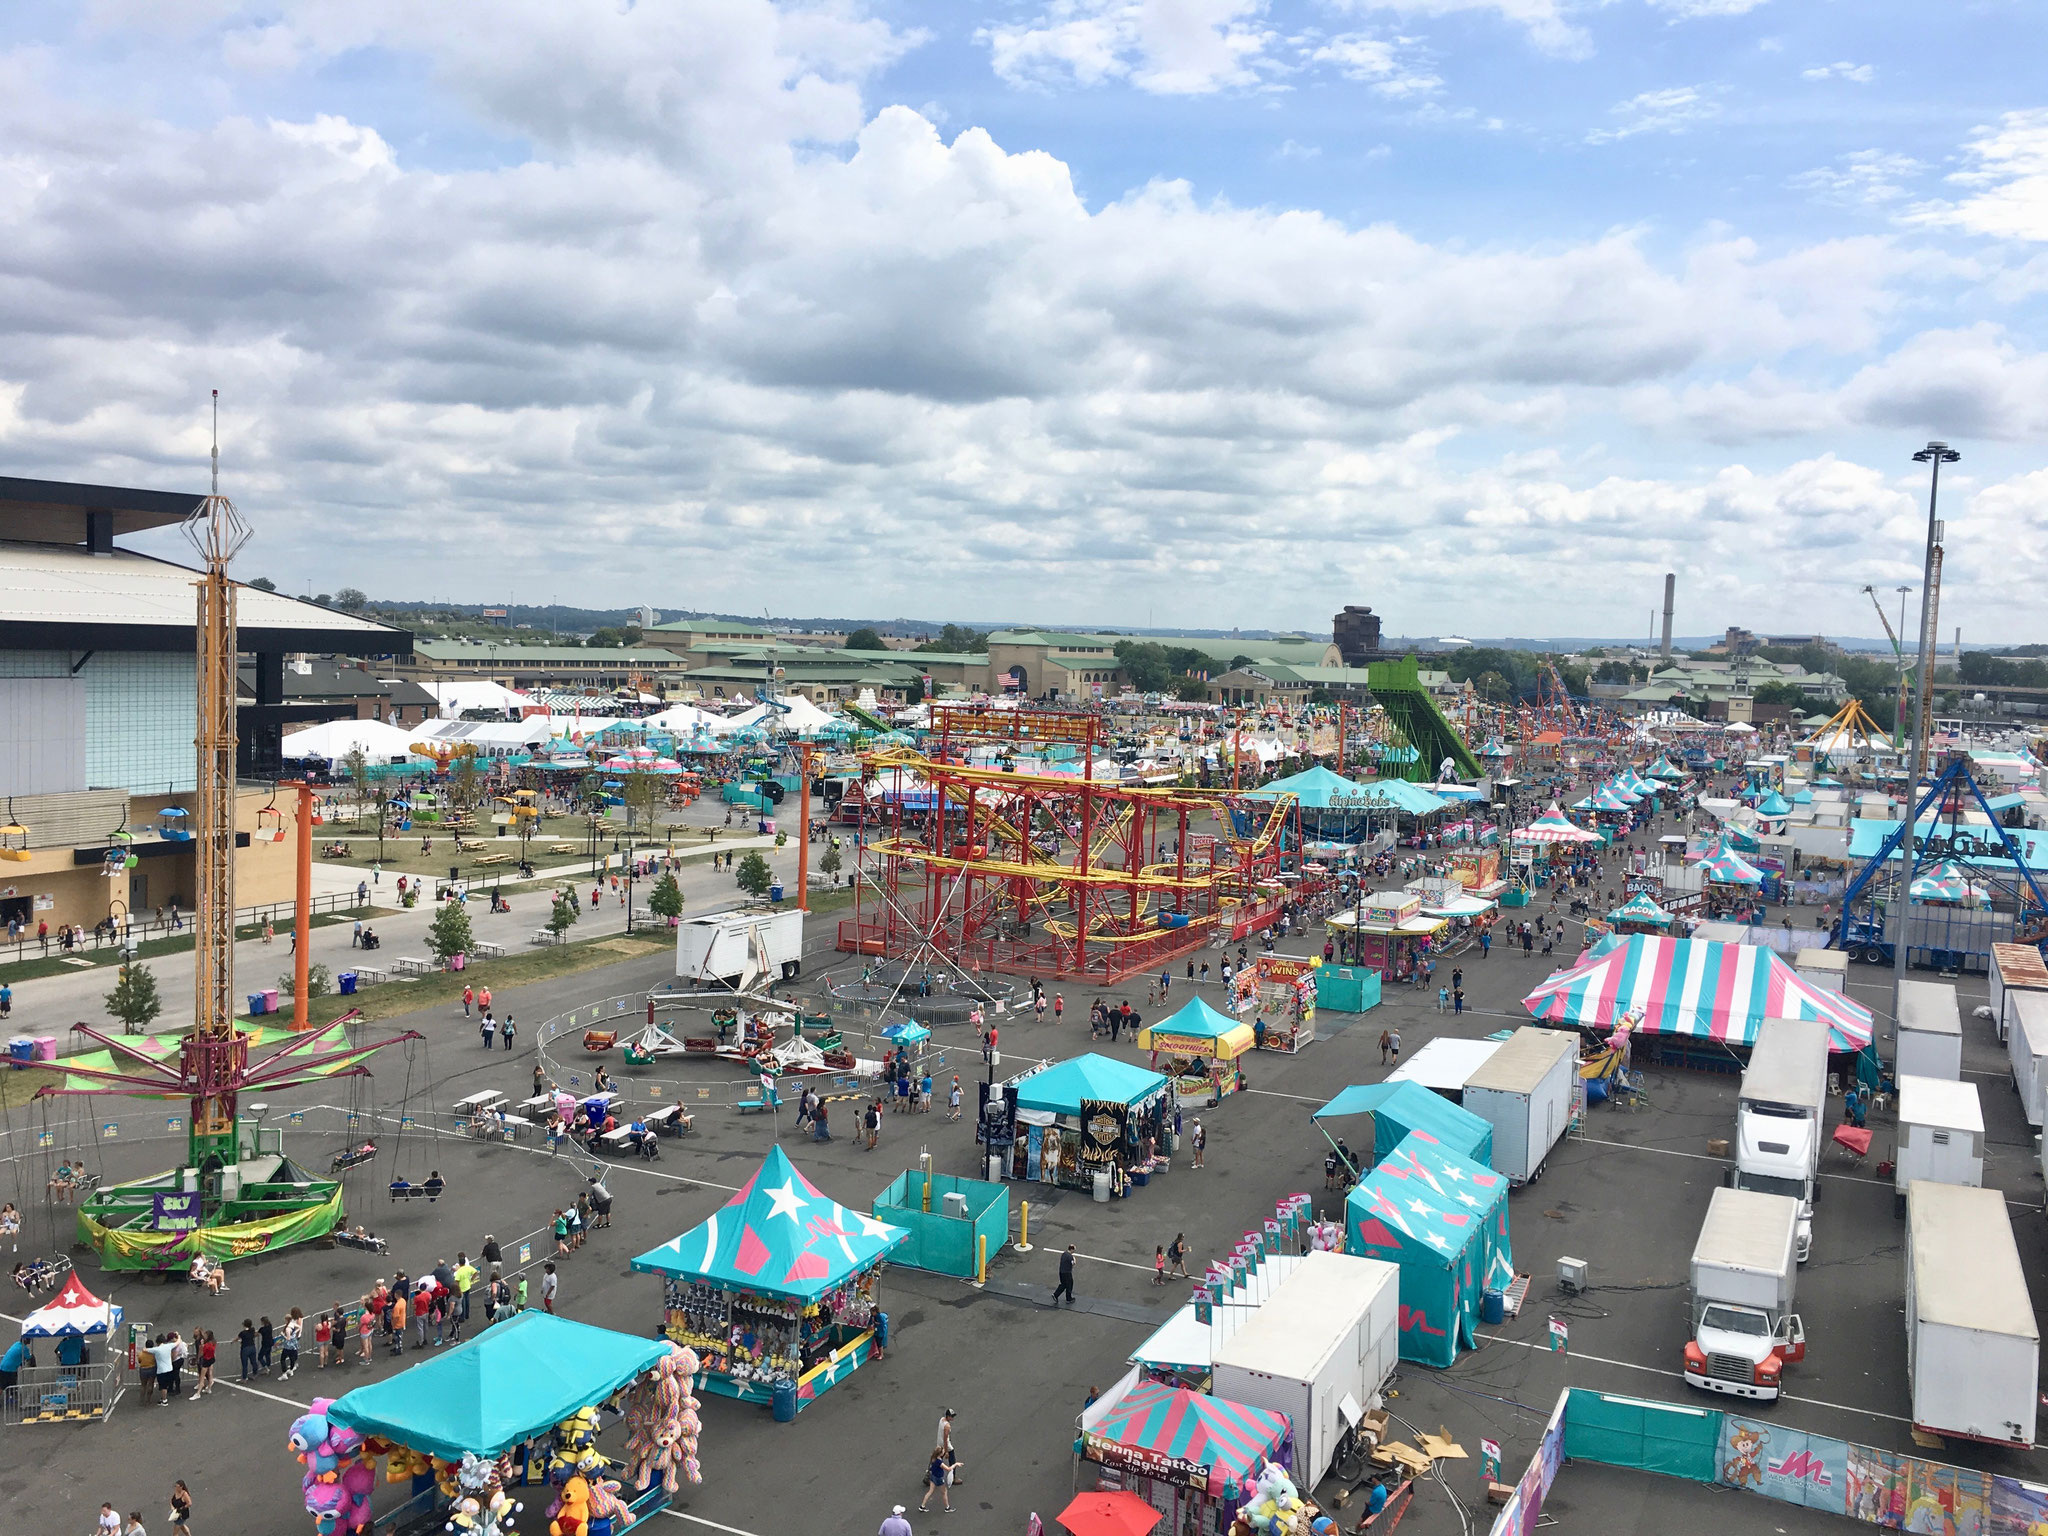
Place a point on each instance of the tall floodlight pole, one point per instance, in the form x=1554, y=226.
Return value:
x=1933, y=455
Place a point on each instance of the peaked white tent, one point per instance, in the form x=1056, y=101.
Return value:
x=384, y=745
x=458, y=695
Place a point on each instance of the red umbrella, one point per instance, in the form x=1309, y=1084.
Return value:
x=1109, y=1514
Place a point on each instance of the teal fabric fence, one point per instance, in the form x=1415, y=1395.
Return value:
x=943, y=1238
x=1673, y=1438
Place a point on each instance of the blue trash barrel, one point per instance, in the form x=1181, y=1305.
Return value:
x=784, y=1406
x=347, y=982
x=775, y=892
x=255, y=1003
x=1493, y=1307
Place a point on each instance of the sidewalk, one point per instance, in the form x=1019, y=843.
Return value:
x=50, y=1005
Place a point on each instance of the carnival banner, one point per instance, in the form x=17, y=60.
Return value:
x=126, y=1248
x=1786, y=1464
x=2017, y=1508
x=175, y=1210
x=1102, y=1131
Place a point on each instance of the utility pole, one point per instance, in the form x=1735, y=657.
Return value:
x=1935, y=454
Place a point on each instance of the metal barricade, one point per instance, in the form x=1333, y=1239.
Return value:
x=62, y=1394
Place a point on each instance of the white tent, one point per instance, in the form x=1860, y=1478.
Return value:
x=801, y=716
x=458, y=695
x=491, y=738
x=681, y=719
x=384, y=745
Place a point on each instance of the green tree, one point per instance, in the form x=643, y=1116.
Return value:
x=956, y=640
x=450, y=934
x=864, y=639
x=666, y=899
x=644, y=794
x=264, y=584
x=1775, y=692
x=753, y=875
x=134, y=1000
x=463, y=782
x=1493, y=686
x=355, y=767
x=831, y=864
x=351, y=599
x=1612, y=671
x=319, y=982
x=566, y=910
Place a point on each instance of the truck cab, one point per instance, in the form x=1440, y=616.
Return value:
x=1742, y=1350
x=1776, y=1154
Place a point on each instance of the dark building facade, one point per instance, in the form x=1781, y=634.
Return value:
x=1357, y=633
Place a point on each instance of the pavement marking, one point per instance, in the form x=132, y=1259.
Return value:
x=1300, y=1097
x=733, y=1530
x=288, y=1402
x=1658, y=1370
x=1701, y=1157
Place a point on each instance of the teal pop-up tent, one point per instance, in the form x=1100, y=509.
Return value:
x=1444, y=1220
x=1404, y=1108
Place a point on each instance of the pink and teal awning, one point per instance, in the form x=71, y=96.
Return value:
x=1553, y=826
x=1640, y=908
x=1724, y=866
x=1194, y=1429
x=1696, y=988
x=778, y=1236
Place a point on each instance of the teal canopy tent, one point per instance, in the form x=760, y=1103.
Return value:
x=1059, y=1090
x=1400, y=795
x=1406, y=1108
x=513, y=1381
x=1314, y=789
x=1444, y=1220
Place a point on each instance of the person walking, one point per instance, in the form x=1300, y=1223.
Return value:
x=953, y=1100
x=483, y=999
x=209, y=1352
x=1066, y=1285
x=134, y=1526
x=468, y=995
x=288, y=1357
x=1394, y=1044
x=821, y=1122
x=1198, y=1139
x=561, y=1231
x=181, y=1508
x=1177, y=1254
x=1458, y=1001
x=895, y=1524
x=550, y=1287
x=1386, y=1041
x=266, y=1340
x=110, y=1521
x=247, y=1340
x=505, y=1031
x=1159, y=1263
x=934, y=1481
x=366, y=1332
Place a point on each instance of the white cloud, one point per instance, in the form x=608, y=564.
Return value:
x=1543, y=20
x=1377, y=61
x=2008, y=175
x=1692, y=10
x=731, y=338
x=1291, y=150
x=1866, y=178
x=1842, y=69
x=1673, y=110
x=1169, y=47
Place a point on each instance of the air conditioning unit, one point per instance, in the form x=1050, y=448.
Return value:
x=1571, y=1276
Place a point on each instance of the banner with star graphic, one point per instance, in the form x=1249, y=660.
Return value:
x=778, y=1236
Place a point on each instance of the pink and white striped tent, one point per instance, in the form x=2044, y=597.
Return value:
x=1698, y=988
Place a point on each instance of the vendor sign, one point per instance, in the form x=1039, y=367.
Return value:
x=175, y=1210
x=1102, y=1131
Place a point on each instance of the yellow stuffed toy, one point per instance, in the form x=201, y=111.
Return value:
x=571, y=1512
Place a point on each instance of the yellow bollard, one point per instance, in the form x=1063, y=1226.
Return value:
x=981, y=1258
x=1024, y=1228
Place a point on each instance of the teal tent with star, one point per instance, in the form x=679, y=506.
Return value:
x=778, y=1236
x=1443, y=1219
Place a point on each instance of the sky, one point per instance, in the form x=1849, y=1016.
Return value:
x=1144, y=312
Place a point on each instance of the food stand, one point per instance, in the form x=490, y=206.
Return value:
x=777, y=1291
x=1201, y=1047
x=1184, y=1453
x=1087, y=1123
x=1639, y=914
x=1387, y=932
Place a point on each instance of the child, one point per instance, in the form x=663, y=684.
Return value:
x=1443, y=999
x=1159, y=1264
x=519, y=1295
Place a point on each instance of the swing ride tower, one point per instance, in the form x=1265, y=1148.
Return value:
x=237, y=1193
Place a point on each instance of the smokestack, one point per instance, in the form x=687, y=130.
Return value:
x=1670, y=598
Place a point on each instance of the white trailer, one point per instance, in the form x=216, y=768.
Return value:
x=1930, y=1030
x=1328, y=1334
x=1444, y=1065
x=2014, y=968
x=1824, y=968
x=1941, y=1135
x=1524, y=1091
x=1972, y=1348
x=2027, y=1049
x=1778, y=1112
x=740, y=950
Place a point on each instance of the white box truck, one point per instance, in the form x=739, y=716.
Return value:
x=2027, y=1049
x=1930, y=1030
x=2014, y=968
x=1778, y=1113
x=1824, y=968
x=1524, y=1091
x=1744, y=1331
x=1941, y=1135
x=740, y=949
x=1330, y=1332
x=1972, y=1349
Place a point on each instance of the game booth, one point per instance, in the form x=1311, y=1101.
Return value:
x=1693, y=1002
x=1185, y=1454
x=74, y=1387
x=778, y=1291
x=1278, y=993
x=1086, y=1123
x=1443, y=1219
x=1396, y=1110
x=470, y=1427
x=1386, y=931
x=1200, y=1048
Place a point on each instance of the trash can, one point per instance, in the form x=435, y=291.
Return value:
x=784, y=1407
x=20, y=1050
x=995, y=1167
x=45, y=1048
x=1101, y=1186
x=347, y=982
x=775, y=892
x=457, y=962
x=256, y=1004
x=1493, y=1307
x=270, y=999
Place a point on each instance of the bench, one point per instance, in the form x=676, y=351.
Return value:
x=545, y=936
x=482, y=949
x=561, y=848
x=411, y=965
x=757, y=1100
x=671, y=1118
x=369, y=975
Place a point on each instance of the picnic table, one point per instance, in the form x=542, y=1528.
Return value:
x=494, y=858
x=483, y=949
x=369, y=975
x=561, y=848
x=509, y=1123
x=545, y=936
x=540, y=1103
x=669, y=1117
x=411, y=965
x=483, y=1098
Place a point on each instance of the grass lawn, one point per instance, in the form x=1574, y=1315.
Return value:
x=108, y=955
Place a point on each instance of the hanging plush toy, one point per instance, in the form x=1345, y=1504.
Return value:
x=662, y=1424
x=336, y=1485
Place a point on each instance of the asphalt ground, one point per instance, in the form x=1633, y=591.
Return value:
x=1628, y=1197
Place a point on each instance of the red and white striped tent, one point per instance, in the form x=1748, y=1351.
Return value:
x=1553, y=826
x=1698, y=988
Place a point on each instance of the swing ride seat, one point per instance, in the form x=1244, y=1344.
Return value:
x=368, y=1242
x=42, y=1274
x=600, y=1039
x=699, y=1045
x=353, y=1157
x=402, y=1189
x=83, y=1184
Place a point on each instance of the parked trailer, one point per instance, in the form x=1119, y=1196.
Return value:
x=1744, y=1331
x=1778, y=1113
x=1524, y=1091
x=2027, y=1049
x=1329, y=1333
x=2014, y=968
x=1930, y=1030
x=740, y=949
x=1444, y=1065
x=1941, y=1135
x=1972, y=1348
x=1824, y=968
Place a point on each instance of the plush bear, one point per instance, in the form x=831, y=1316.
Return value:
x=569, y=1515
x=662, y=1423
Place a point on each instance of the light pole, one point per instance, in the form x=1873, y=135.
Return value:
x=1934, y=455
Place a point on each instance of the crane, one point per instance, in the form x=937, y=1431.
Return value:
x=1898, y=655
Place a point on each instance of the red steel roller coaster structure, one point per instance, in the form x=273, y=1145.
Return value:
x=1051, y=873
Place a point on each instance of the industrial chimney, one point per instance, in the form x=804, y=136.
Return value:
x=1670, y=598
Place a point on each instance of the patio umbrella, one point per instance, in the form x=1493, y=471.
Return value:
x=1121, y=1513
